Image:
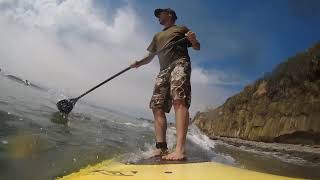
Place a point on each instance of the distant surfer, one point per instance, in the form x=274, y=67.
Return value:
x=27, y=83
x=172, y=85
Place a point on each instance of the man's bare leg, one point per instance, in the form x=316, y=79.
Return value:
x=182, y=122
x=160, y=127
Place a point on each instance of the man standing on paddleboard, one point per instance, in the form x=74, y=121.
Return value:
x=172, y=86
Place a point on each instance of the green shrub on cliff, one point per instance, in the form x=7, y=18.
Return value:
x=296, y=72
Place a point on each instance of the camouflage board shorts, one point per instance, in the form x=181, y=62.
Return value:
x=172, y=83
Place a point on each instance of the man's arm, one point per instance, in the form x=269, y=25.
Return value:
x=193, y=39
x=147, y=59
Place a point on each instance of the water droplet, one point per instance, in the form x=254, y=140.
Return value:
x=9, y=113
x=97, y=157
x=20, y=119
x=4, y=142
x=74, y=160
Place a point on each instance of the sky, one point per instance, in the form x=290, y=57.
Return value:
x=72, y=45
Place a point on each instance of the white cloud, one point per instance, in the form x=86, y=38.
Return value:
x=69, y=45
x=217, y=77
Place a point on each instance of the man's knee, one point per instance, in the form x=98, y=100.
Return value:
x=158, y=112
x=178, y=103
x=159, y=115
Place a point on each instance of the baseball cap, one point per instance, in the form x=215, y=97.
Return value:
x=169, y=10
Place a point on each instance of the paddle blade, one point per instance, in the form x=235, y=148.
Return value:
x=66, y=105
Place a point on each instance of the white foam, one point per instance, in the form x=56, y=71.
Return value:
x=4, y=142
x=129, y=124
x=225, y=159
x=200, y=139
x=146, y=124
x=141, y=154
x=278, y=155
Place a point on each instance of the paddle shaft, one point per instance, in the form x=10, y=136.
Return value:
x=126, y=69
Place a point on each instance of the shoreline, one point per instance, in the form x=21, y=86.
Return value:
x=310, y=153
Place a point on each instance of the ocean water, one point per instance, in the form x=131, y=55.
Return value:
x=38, y=143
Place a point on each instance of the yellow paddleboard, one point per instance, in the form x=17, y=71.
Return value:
x=110, y=170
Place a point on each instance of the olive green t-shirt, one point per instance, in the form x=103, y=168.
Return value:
x=165, y=38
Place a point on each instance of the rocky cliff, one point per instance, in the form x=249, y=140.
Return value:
x=283, y=106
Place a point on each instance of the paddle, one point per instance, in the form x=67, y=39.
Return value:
x=66, y=105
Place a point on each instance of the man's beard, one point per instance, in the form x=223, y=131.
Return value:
x=161, y=22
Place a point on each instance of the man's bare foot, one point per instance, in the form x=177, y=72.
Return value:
x=175, y=156
x=158, y=152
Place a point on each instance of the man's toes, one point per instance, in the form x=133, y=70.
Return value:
x=173, y=157
x=167, y=157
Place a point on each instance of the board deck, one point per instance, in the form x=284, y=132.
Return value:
x=153, y=169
